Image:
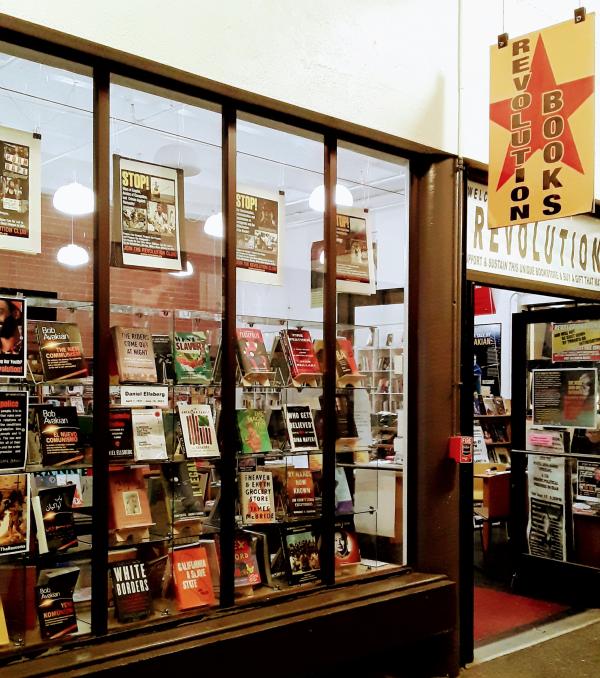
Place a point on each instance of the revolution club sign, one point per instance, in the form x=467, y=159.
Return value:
x=542, y=125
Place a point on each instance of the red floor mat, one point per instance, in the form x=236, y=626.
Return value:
x=497, y=613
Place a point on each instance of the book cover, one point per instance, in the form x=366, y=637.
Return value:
x=344, y=358
x=256, y=497
x=53, y=511
x=14, y=336
x=253, y=431
x=131, y=590
x=121, y=435
x=58, y=427
x=163, y=358
x=186, y=484
x=299, y=349
x=134, y=354
x=14, y=513
x=55, y=606
x=301, y=428
x=129, y=505
x=192, y=578
x=200, y=438
x=252, y=353
x=13, y=430
x=300, y=491
x=246, y=571
x=302, y=553
x=191, y=358
x=61, y=351
x=149, y=443
x=346, y=549
x=50, y=479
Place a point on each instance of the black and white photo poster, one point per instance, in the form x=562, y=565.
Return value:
x=20, y=191
x=565, y=397
x=150, y=199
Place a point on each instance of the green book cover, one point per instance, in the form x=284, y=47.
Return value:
x=192, y=358
x=254, y=434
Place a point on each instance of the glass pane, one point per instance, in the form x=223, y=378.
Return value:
x=372, y=236
x=166, y=303
x=46, y=250
x=279, y=327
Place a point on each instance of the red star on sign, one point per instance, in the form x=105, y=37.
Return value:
x=542, y=80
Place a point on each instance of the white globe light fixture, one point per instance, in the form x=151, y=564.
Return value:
x=187, y=271
x=72, y=255
x=214, y=225
x=74, y=199
x=343, y=197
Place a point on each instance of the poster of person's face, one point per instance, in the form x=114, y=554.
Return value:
x=13, y=337
x=20, y=191
x=565, y=397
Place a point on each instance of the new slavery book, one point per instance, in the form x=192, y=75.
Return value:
x=55, y=606
x=14, y=526
x=252, y=353
x=301, y=428
x=192, y=578
x=256, y=497
x=134, y=354
x=61, y=351
x=121, y=435
x=53, y=511
x=58, y=427
x=192, y=358
x=253, y=431
x=131, y=591
x=198, y=429
x=300, y=353
x=13, y=430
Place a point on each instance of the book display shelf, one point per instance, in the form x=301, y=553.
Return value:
x=190, y=419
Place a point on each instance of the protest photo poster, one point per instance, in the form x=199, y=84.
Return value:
x=588, y=481
x=546, y=531
x=576, y=341
x=13, y=337
x=565, y=397
x=259, y=229
x=150, y=209
x=486, y=352
x=20, y=191
x=355, y=263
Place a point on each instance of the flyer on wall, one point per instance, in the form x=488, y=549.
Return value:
x=150, y=203
x=355, y=263
x=20, y=191
x=565, y=397
x=588, y=481
x=546, y=531
x=259, y=229
x=486, y=352
x=13, y=430
x=14, y=527
x=576, y=341
x=13, y=337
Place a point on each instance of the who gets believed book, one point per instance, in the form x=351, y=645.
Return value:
x=257, y=500
x=192, y=577
x=199, y=436
x=53, y=511
x=131, y=591
x=61, y=351
x=301, y=428
x=253, y=431
x=191, y=358
x=134, y=354
x=55, y=606
x=58, y=428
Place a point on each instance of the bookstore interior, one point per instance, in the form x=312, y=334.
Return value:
x=183, y=510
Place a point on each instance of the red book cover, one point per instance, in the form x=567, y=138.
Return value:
x=346, y=364
x=246, y=572
x=191, y=574
x=302, y=356
x=300, y=491
x=252, y=351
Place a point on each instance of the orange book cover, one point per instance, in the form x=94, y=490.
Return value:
x=129, y=499
x=191, y=574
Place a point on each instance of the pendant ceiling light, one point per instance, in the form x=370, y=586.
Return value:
x=72, y=255
x=74, y=199
x=187, y=271
x=214, y=225
x=343, y=197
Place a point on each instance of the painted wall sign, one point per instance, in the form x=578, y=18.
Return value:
x=542, y=125
x=562, y=252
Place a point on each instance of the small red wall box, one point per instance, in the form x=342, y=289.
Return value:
x=461, y=449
